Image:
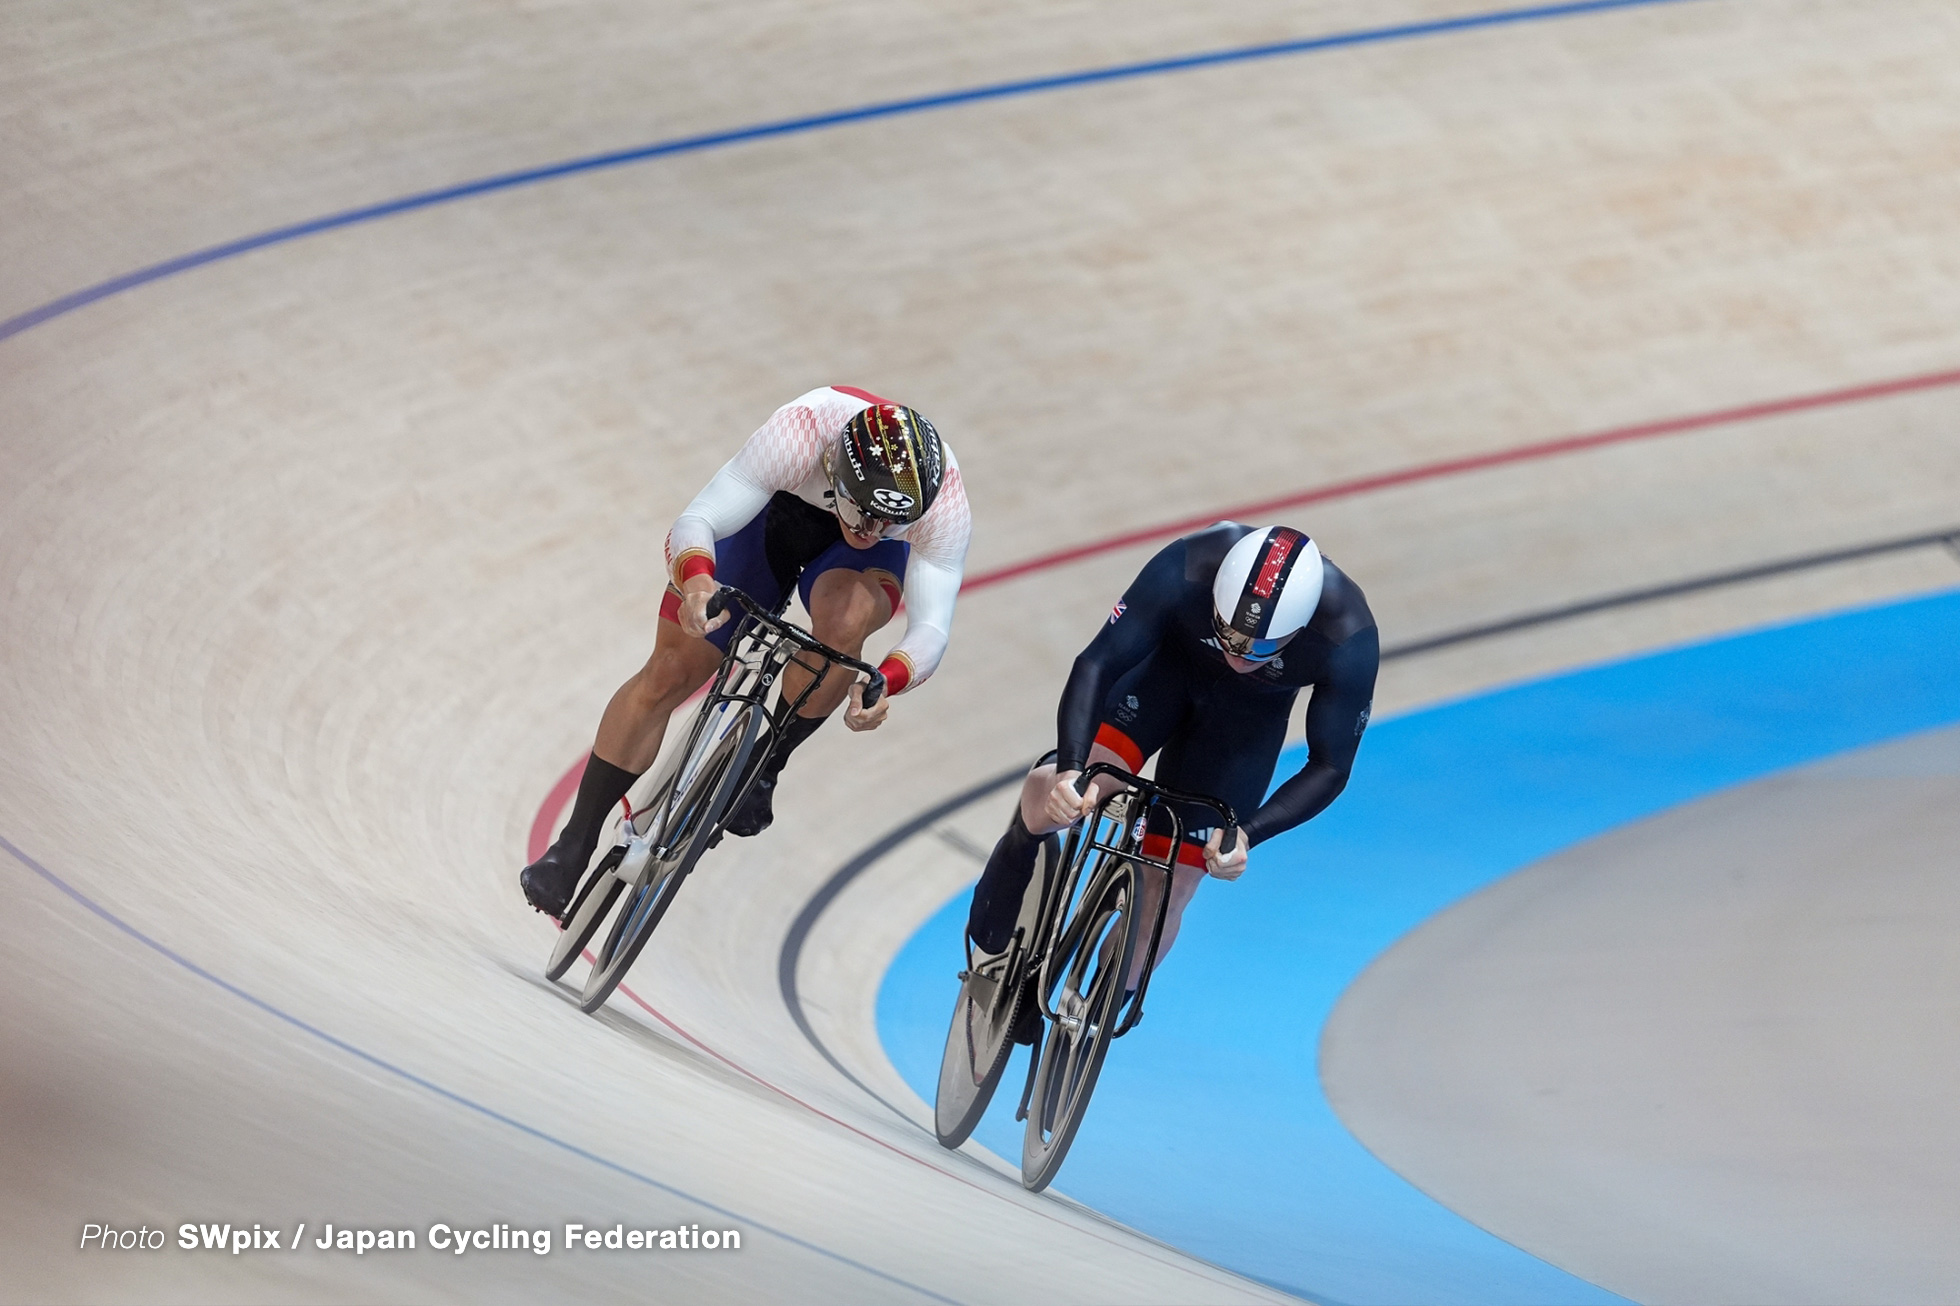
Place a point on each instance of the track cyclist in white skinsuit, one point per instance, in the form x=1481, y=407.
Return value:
x=851, y=499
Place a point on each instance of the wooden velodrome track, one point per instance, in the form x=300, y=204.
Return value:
x=318, y=561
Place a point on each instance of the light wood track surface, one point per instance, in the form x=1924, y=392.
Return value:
x=319, y=562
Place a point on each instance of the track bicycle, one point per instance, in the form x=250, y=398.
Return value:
x=729, y=741
x=1064, y=971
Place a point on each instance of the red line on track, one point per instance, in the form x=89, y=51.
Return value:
x=893, y=1148
x=560, y=793
x=1472, y=463
x=540, y=839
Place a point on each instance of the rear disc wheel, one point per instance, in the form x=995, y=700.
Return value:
x=589, y=906
x=977, y=1048
x=988, y=1010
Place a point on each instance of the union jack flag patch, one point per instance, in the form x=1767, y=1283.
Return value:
x=1116, y=612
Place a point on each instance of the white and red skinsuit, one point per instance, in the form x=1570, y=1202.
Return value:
x=787, y=453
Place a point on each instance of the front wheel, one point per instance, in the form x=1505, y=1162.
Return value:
x=1086, y=1002
x=705, y=788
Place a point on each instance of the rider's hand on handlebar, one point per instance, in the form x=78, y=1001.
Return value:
x=1225, y=866
x=1065, y=807
x=695, y=593
x=859, y=717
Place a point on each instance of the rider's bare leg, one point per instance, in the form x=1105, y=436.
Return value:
x=629, y=738
x=845, y=608
x=1183, y=886
x=630, y=732
x=635, y=721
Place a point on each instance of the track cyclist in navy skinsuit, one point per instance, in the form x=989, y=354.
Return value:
x=850, y=499
x=1200, y=664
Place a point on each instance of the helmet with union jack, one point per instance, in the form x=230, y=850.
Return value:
x=887, y=465
x=1266, y=589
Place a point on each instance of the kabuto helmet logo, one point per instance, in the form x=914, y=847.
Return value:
x=891, y=462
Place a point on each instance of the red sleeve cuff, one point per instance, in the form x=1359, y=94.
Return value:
x=897, y=673
x=694, y=564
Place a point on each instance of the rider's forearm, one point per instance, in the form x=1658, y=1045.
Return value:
x=931, y=590
x=1299, y=800
x=1080, y=712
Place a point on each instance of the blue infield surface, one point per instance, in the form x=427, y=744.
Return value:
x=1209, y=1129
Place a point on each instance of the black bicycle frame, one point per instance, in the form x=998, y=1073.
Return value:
x=762, y=646
x=1085, y=839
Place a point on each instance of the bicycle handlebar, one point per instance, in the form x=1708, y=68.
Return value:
x=1226, y=844
x=718, y=603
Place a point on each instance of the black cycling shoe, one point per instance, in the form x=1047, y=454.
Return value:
x=757, y=811
x=549, y=882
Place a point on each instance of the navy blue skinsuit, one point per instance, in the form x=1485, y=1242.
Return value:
x=1155, y=677
x=1154, y=680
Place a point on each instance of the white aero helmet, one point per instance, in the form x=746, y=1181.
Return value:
x=1266, y=589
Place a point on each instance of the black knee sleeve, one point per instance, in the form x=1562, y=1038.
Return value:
x=997, y=898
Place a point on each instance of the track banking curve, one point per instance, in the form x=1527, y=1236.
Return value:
x=709, y=998
x=812, y=909
x=283, y=235
x=789, y=127
x=387, y=1067
x=553, y=805
x=1562, y=762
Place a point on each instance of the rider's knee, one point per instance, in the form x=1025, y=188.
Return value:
x=664, y=683
x=846, y=606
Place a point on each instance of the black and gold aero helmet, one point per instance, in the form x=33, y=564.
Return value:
x=887, y=465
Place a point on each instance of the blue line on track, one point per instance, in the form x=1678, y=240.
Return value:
x=34, y=317
x=447, y=1094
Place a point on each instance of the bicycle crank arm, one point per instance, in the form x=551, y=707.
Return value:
x=639, y=849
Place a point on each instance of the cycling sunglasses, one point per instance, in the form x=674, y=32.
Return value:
x=1243, y=646
x=857, y=519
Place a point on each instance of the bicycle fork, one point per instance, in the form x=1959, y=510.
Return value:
x=1034, y=1068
